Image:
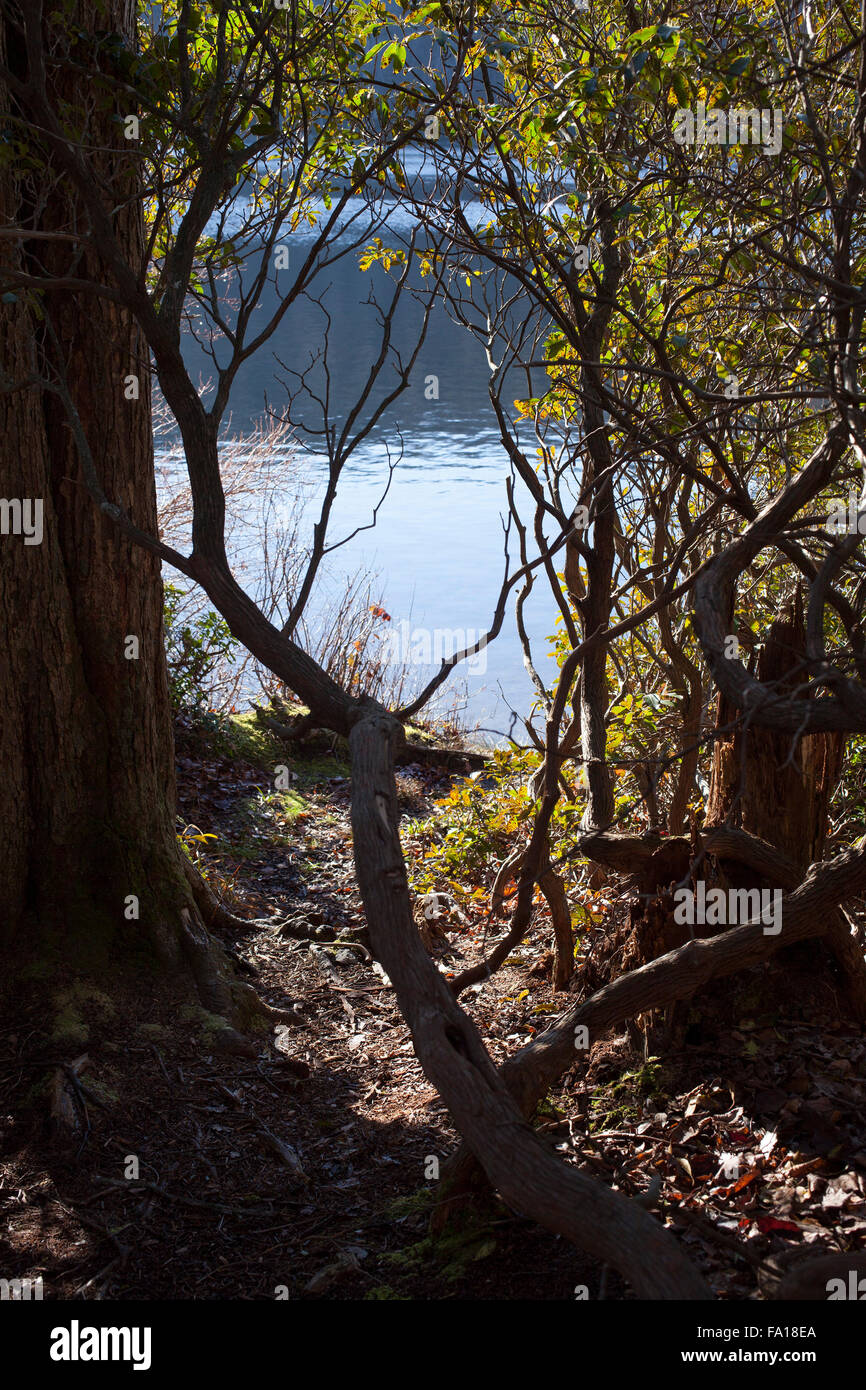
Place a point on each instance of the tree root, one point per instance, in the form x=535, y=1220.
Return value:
x=636, y=854
x=528, y=1177
x=220, y=993
x=676, y=975
x=215, y=914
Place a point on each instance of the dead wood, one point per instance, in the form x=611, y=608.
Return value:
x=529, y=1178
x=808, y=1279
x=655, y=862
x=806, y=913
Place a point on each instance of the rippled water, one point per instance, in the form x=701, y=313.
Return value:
x=438, y=541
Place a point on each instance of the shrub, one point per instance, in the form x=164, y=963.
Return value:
x=194, y=649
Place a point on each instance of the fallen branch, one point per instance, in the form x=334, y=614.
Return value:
x=214, y=915
x=676, y=975
x=636, y=854
x=529, y=1178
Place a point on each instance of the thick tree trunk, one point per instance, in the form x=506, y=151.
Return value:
x=770, y=784
x=89, y=863
x=778, y=787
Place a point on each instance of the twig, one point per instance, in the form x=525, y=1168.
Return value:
x=220, y=1207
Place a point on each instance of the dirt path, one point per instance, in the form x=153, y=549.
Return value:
x=309, y=1170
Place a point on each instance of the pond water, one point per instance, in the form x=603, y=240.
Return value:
x=437, y=546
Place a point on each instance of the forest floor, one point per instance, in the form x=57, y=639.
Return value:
x=308, y=1170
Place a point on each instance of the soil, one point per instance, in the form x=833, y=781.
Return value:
x=142, y=1159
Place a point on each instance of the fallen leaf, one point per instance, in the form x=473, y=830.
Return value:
x=765, y=1224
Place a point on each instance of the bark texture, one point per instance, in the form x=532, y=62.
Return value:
x=773, y=785
x=776, y=787
x=87, y=821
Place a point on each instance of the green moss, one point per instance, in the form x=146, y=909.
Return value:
x=99, y=1088
x=208, y=1023
x=416, y=1203
x=418, y=734
x=69, y=1027
x=153, y=1032
x=266, y=806
x=262, y=819
x=74, y=1004
x=314, y=760
x=384, y=1292
x=315, y=769
x=449, y=1254
x=245, y=738
x=618, y=1102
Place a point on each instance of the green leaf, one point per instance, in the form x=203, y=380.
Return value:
x=681, y=88
x=377, y=48
x=395, y=56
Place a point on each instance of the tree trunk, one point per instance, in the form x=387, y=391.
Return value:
x=778, y=788
x=770, y=784
x=678, y=814
x=89, y=863
x=528, y=1177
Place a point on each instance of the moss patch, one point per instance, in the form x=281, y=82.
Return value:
x=450, y=1253
x=619, y=1102
x=153, y=1032
x=245, y=738
x=208, y=1024
x=78, y=1007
